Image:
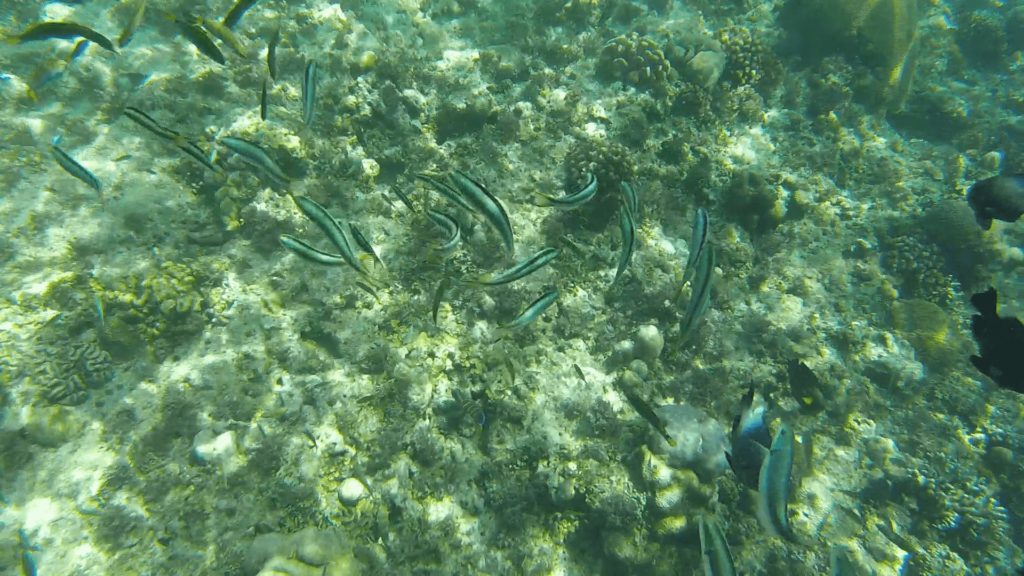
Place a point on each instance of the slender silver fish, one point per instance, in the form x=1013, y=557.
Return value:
x=263, y=101
x=132, y=25
x=255, y=156
x=332, y=229
x=272, y=53
x=307, y=252
x=225, y=35
x=309, y=93
x=519, y=270
x=627, y=229
x=533, y=311
x=449, y=225
x=698, y=241
x=630, y=197
x=574, y=200
x=774, y=484
x=485, y=204
x=444, y=189
x=714, y=549
x=700, y=297
x=147, y=122
x=237, y=11
x=71, y=166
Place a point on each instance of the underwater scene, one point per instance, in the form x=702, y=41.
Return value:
x=539, y=287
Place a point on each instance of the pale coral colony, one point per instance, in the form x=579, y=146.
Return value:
x=478, y=287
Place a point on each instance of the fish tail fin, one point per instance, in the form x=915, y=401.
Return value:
x=985, y=302
x=544, y=201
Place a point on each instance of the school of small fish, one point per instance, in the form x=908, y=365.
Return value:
x=761, y=461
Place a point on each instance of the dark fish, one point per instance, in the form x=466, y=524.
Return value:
x=750, y=439
x=442, y=289
x=1000, y=343
x=368, y=289
x=403, y=197
x=805, y=387
x=72, y=167
x=237, y=11
x=65, y=30
x=202, y=40
x=579, y=373
x=364, y=244
x=132, y=25
x=999, y=198
x=263, y=101
x=272, y=54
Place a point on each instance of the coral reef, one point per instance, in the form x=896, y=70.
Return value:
x=66, y=373
x=635, y=60
x=982, y=38
x=158, y=307
x=611, y=163
x=919, y=269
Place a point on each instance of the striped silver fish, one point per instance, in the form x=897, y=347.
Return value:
x=574, y=200
x=714, y=549
x=332, y=229
x=630, y=197
x=147, y=122
x=71, y=166
x=309, y=80
x=255, y=156
x=272, y=53
x=518, y=270
x=533, y=311
x=449, y=226
x=485, y=204
x=445, y=189
x=775, y=483
x=627, y=229
x=700, y=297
x=698, y=242
x=307, y=252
